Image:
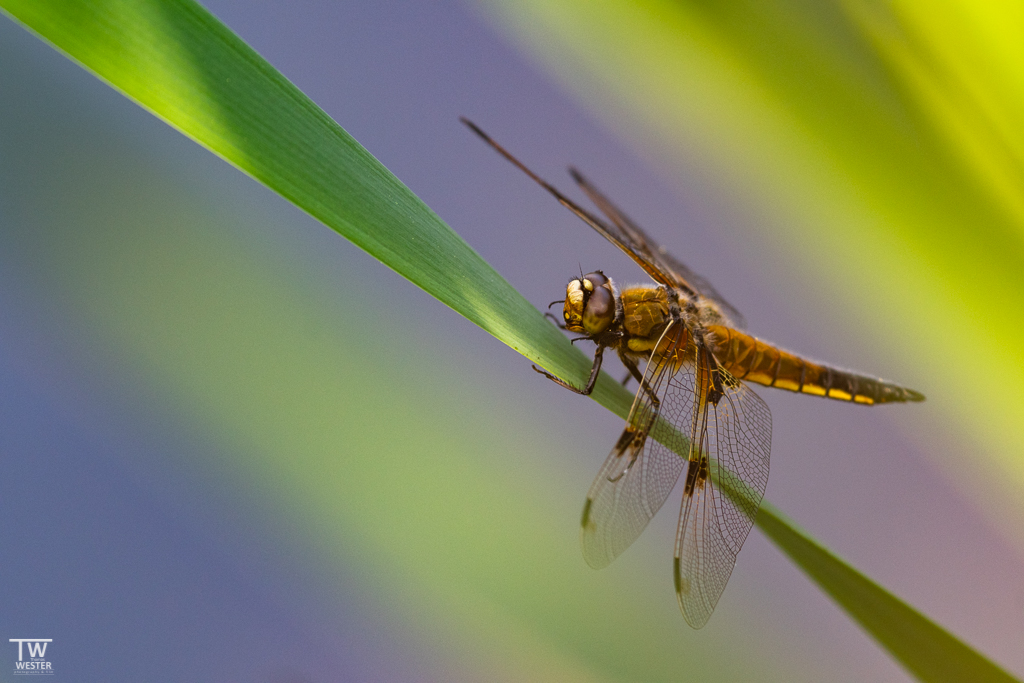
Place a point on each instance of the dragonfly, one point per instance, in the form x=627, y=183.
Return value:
x=694, y=410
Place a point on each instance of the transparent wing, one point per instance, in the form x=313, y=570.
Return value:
x=640, y=472
x=628, y=232
x=630, y=240
x=725, y=482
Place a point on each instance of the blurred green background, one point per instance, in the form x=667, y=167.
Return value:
x=240, y=449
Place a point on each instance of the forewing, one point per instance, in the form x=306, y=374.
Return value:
x=718, y=512
x=623, y=498
x=613, y=234
x=674, y=272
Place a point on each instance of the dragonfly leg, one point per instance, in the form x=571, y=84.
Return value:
x=632, y=459
x=595, y=371
x=632, y=440
x=558, y=323
x=634, y=372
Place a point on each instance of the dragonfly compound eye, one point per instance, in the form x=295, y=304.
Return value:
x=599, y=303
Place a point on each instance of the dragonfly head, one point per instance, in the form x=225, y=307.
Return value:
x=589, y=304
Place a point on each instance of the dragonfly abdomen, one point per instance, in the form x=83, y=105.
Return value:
x=752, y=360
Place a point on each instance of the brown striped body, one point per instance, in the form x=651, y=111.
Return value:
x=749, y=359
x=648, y=311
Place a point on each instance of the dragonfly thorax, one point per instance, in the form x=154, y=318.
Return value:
x=589, y=304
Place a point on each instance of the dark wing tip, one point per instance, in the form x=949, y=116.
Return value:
x=475, y=128
x=586, y=513
x=915, y=396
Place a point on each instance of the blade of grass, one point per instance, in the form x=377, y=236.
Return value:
x=179, y=62
x=183, y=65
x=927, y=650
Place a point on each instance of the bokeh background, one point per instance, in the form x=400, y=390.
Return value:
x=237, y=448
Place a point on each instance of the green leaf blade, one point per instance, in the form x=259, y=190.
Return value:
x=182, y=64
x=928, y=651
